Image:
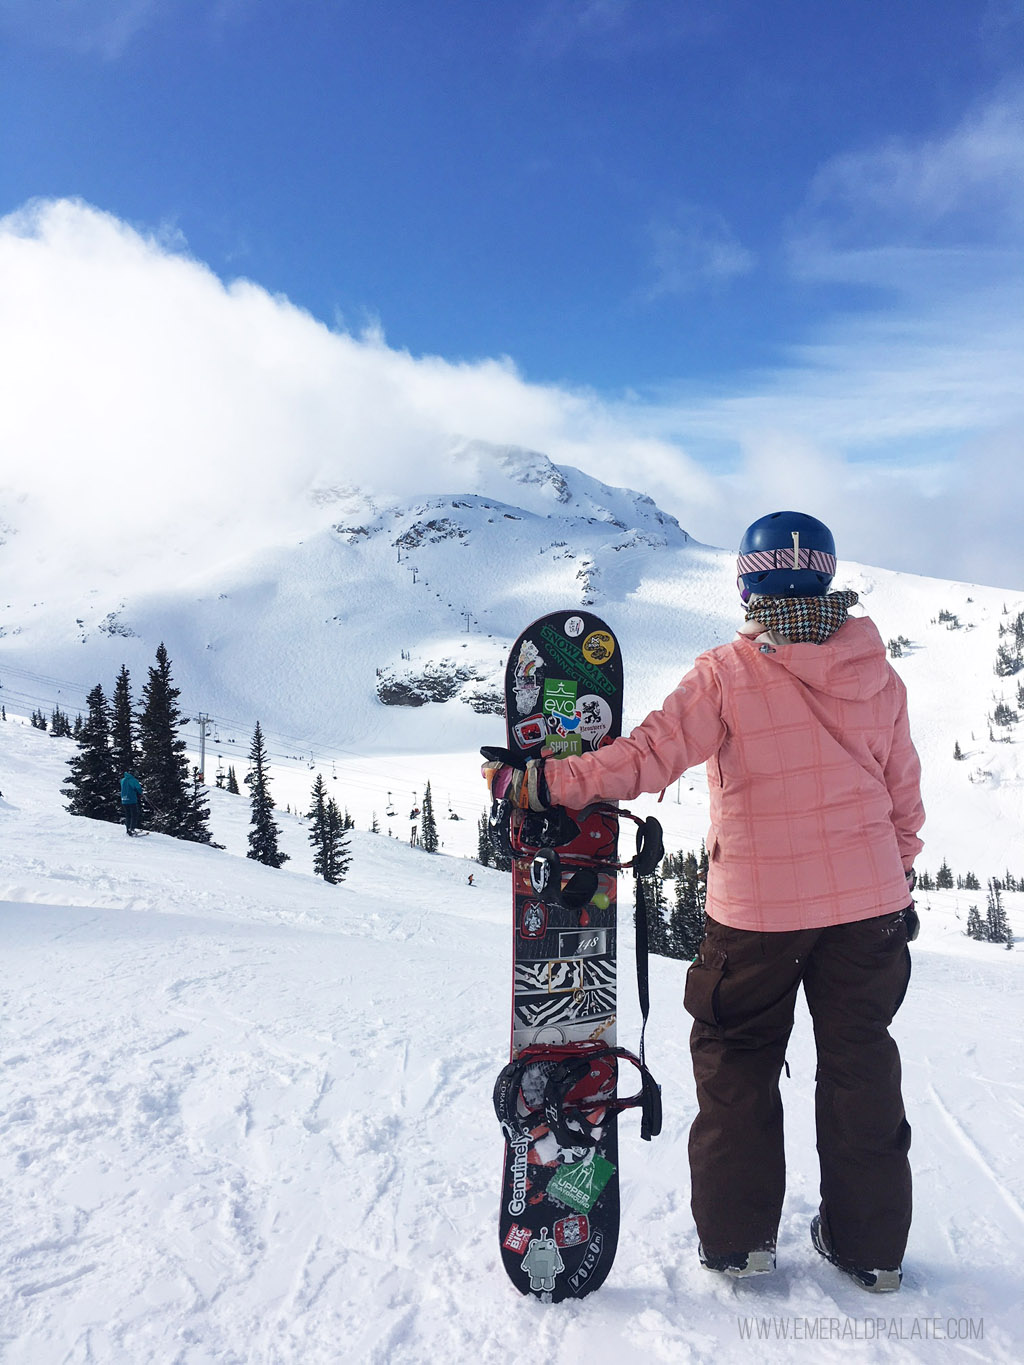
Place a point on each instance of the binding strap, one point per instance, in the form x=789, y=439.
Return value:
x=564, y=1068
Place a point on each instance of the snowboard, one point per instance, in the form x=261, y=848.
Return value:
x=559, y=1222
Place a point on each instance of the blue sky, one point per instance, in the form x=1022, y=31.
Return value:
x=749, y=231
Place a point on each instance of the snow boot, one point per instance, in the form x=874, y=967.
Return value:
x=874, y=1281
x=739, y=1264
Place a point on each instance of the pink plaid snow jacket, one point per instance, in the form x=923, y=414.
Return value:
x=814, y=780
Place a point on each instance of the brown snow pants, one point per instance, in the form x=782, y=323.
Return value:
x=741, y=991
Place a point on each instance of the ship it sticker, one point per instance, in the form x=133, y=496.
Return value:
x=581, y=1184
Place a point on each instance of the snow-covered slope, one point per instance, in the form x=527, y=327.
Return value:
x=386, y=599
x=246, y=1119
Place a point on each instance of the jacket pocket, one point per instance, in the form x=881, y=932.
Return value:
x=703, y=981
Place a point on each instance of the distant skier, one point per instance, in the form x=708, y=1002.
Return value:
x=815, y=811
x=131, y=795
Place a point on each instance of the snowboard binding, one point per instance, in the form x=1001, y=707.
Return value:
x=570, y=1089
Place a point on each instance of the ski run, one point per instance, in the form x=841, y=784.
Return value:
x=246, y=1120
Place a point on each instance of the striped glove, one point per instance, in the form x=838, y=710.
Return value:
x=517, y=780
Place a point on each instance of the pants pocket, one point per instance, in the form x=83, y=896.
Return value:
x=700, y=994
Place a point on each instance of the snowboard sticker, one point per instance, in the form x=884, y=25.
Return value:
x=559, y=1221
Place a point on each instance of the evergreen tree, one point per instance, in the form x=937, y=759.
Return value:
x=686, y=927
x=374, y=824
x=428, y=832
x=60, y=724
x=317, y=817
x=338, y=855
x=958, y=753
x=93, y=783
x=944, y=877
x=122, y=725
x=925, y=882
x=263, y=834
x=971, y=882
x=975, y=927
x=194, y=827
x=654, y=899
x=163, y=767
x=484, y=853
x=233, y=781
x=997, y=926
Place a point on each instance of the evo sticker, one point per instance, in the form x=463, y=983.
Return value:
x=581, y=1184
x=560, y=697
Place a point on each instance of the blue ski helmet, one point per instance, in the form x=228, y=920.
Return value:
x=786, y=554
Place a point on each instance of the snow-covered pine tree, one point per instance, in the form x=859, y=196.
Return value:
x=958, y=753
x=93, y=786
x=944, y=877
x=195, y=827
x=975, y=926
x=657, y=929
x=163, y=767
x=233, y=781
x=60, y=724
x=122, y=724
x=374, y=824
x=428, y=831
x=997, y=926
x=484, y=855
x=339, y=855
x=686, y=926
x=317, y=817
x=263, y=834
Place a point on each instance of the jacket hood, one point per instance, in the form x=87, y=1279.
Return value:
x=851, y=664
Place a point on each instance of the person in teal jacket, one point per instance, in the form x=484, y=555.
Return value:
x=131, y=795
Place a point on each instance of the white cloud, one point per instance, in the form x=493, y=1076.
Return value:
x=691, y=249
x=158, y=418
x=153, y=412
x=955, y=196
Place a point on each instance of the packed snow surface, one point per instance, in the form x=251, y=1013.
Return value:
x=246, y=1118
